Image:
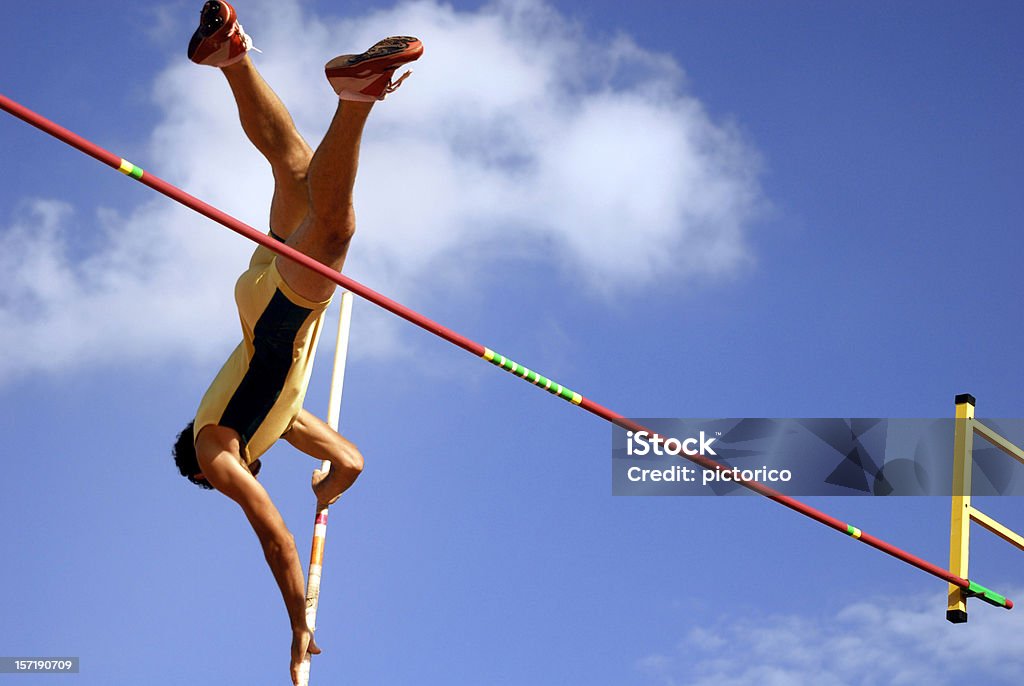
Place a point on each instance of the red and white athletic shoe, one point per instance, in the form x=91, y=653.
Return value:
x=219, y=40
x=367, y=77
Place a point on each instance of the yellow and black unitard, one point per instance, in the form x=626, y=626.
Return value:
x=259, y=390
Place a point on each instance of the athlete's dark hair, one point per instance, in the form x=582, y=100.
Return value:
x=185, y=457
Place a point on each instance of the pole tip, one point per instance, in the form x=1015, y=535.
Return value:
x=962, y=398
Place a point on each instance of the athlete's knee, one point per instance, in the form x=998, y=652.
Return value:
x=337, y=226
x=293, y=168
x=353, y=459
x=344, y=233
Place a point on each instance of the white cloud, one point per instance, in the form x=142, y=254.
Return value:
x=520, y=133
x=883, y=642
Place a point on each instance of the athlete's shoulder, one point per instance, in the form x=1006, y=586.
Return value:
x=214, y=439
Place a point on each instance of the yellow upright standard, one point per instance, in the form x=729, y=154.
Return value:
x=963, y=513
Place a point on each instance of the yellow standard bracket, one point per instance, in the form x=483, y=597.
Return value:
x=995, y=527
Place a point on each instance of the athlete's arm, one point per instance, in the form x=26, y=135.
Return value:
x=313, y=436
x=217, y=450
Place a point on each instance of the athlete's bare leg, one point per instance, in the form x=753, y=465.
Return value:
x=269, y=126
x=328, y=228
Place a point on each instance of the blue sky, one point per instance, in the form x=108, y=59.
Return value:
x=678, y=209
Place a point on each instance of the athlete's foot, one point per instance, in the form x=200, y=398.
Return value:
x=219, y=41
x=367, y=77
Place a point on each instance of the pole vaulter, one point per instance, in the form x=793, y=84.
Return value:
x=970, y=588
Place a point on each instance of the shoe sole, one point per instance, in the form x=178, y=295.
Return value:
x=205, y=29
x=388, y=54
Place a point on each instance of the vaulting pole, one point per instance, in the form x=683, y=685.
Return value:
x=316, y=555
x=972, y=588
